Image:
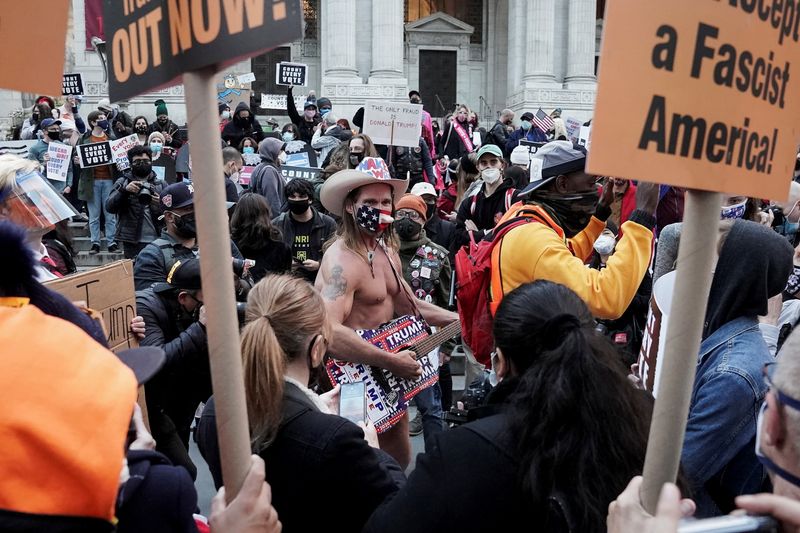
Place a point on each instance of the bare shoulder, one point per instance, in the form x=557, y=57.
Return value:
x=340, y=272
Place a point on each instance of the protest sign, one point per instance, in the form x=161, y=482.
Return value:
x=109, y=291
x=72, y=84
x=20, y=36
x=299, y=159
x=120, y=149
x=150, y=44
x=59, y=158
x=95, y=154
x=291, y=74
x=535, y=169
x=532, y=146
x=573, y=126
x=655, y=332
x=278, y=101
x=307, y=173
x=699, y=95
x=585, y=137
x=246, y=78
x=245, y=175
x=393, y=124
x=19, y=148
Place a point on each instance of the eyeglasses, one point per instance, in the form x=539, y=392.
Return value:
x=413, y=215
x=783, y=398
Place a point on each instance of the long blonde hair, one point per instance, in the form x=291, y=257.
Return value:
x=284, y=314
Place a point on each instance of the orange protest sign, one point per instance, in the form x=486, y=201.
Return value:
x=699, y=94
x=21, y=32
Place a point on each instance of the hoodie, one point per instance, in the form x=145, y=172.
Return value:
x=754, y=265
x=267, y=179
x=237, y=129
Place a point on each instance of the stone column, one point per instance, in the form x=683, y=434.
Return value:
x=516, y=43
x=387, y=39
x=338, y=39
x=581, y=43
x=539, y=43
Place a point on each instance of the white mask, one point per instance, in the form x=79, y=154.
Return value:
x=604, y=245
x=282, y=158
x=490, y=175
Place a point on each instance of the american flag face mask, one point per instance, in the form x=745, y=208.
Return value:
x=373, y=220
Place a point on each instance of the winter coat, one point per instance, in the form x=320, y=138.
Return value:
x=326, y=142
x=322, y=228
x=534, y=135
x=306, y=128
x=172, y=129
x=236, y=130
x=451, y=144
x=130, y=210
x=267, y=179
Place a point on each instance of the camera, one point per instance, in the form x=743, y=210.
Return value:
x=145, y=193
x=777, y=213
x=242, y=266
x=240, y=312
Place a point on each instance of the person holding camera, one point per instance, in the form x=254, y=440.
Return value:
x=175, y=321
x=135, y=200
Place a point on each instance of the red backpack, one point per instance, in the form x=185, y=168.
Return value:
x=474, y=278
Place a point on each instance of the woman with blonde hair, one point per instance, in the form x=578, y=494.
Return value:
x=315, y=459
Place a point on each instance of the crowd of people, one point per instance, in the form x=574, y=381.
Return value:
x=555, y=419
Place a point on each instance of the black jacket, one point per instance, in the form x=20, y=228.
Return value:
x=130, y=211
x=237, y=129
x=323, y=474
x=185, y=379
x=443, y=233
x=483, y=211
x=274, y=257
x=450, y=144
x=172, y=129
x=306, y=128
x=322, y=228
x=158, y=497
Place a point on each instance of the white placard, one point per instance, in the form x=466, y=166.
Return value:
x=573, y=126
x=585, y=137
x=59, y=158
x=535, y=169
x=393, y=124
x=120, y=149
x=278, y=101
x=246, y=78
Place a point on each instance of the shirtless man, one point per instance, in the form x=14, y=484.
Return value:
x=357, y=282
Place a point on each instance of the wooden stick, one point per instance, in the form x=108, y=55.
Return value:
x=696, y=257
x=216, y=266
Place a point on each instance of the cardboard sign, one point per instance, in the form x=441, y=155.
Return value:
x=655, y=332
x=20, y=148
x=246, y=78
x=291, y=74
x=300, y=172
x=699, y=94
x=95, y=154
x=109, y=291
x=59, y=159
x=573, y=126
x=393, y=124
x=120, y=149
x=150, y=44
x=22, y=37
x=71, y=84
x=278, y=101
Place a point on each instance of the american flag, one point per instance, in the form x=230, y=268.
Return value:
x=543, y=121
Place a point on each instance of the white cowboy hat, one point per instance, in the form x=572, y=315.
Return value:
x=370, y=171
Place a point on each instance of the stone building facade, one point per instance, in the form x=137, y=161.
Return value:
x=488, y=54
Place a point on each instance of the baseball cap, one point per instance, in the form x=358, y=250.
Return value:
x=104, y=105
x=558, y=157
x=145, y=361
x=46, y=123
x=490, y=149
x=177, y=195
x=527, y=116
x=414, y=92
x=310, y=103
x=422, y=188
x=184, y=275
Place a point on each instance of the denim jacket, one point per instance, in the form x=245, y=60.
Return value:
x=719, y=448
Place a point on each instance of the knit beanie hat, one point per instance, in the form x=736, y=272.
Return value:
x=161, y=107
x=222, y=106
x=413, y=202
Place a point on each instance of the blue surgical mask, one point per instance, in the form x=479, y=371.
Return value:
x=287, y=136
x=324, y=111
x=155, y=147
x=248, y=150
x=526, y=125
x=733, y=211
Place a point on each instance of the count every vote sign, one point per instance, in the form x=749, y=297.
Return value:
x=95, y=154
x=151, y=43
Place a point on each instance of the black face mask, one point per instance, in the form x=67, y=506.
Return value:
x=185, y=226
x=241, y=121
x=163, y=121
x=355, y=159
x=573, y=210
x=298, y=207
x=54, y=135
x=141, y=129
x=415, y=101
x=141, y=168
x=407, y=229
x=430, y=210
